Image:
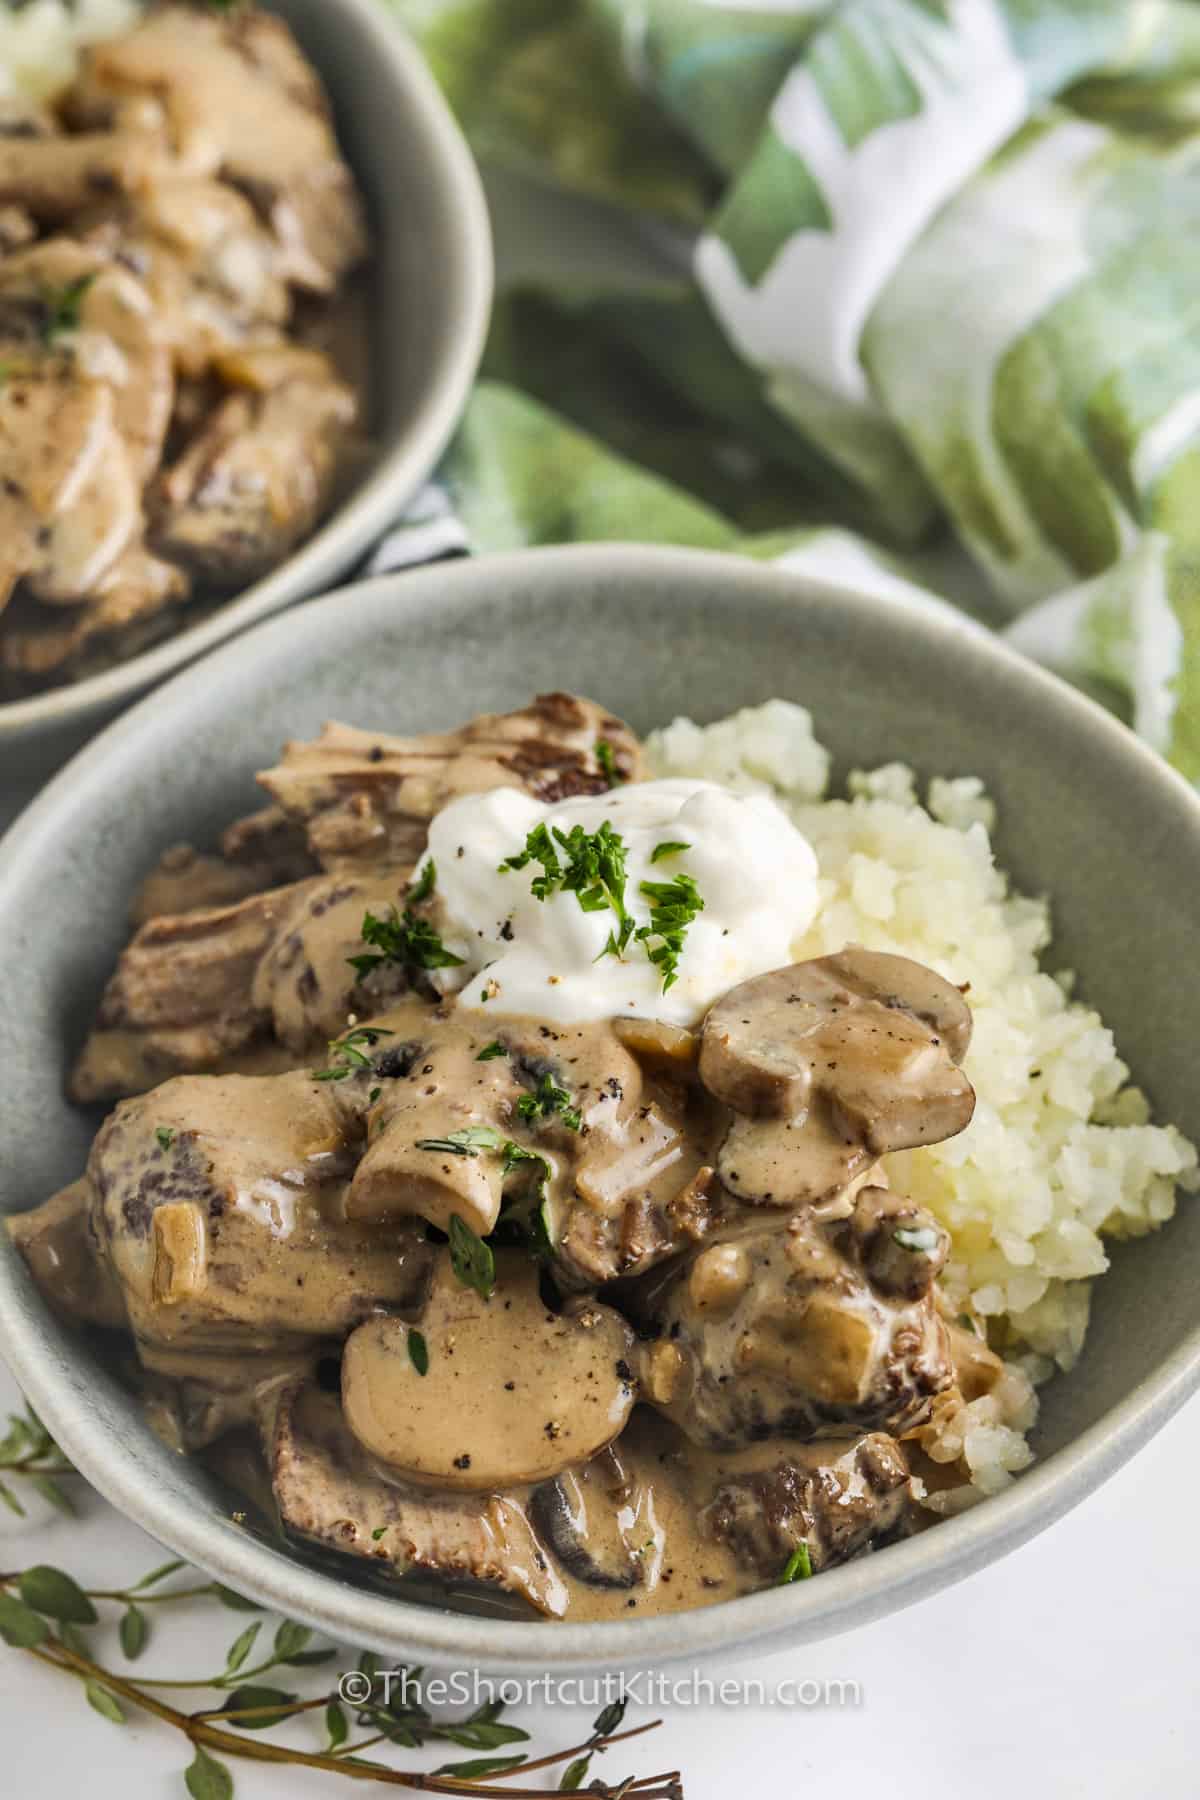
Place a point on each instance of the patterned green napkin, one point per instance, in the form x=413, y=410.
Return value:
x=938, y=270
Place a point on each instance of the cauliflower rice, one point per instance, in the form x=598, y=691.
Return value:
x=1061, y=1154
x=40, y=43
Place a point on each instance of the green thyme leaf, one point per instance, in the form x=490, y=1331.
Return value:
x=208, y=1779
x=349, y=1052
x=20, y=1626
x=165, y=1136
x=798, y=1566
x=483, y=1734
x=159, y=1574
x=48, y=1488
x=133, y=1632
x=240, y=1648
x=234, y=1601
x=290, y=1640
x=337, y=1725
x=269, y=1705
x=467, y=1142
x=491, y=1051
x=483, y=1765
x=418, y=1352
x=661, y=851
x=574, y=1773
x=55, y=1594
x=106, y=1704
x=606, y=1722
x=470, y=1258
x=9, y=1499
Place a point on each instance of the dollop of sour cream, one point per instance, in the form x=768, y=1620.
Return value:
x=755, y=872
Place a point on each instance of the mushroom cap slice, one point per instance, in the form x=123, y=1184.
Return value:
x=513, y=1393
x=831, y=1063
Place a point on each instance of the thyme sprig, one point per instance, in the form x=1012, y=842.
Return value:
x=45, y=1613
x=28, y=1451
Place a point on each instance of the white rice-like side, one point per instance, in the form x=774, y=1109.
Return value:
x=1061, y=1153
x=40, y=43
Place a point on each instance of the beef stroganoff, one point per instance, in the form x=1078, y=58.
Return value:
x=611, y=1176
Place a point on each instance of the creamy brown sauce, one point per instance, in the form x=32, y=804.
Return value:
x=595, y=1319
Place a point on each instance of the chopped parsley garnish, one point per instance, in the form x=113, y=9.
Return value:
x=418, y=1351
x=350, y=1052
x=405, y=938
x=165, y=1136
x=549, y=1098
x=379, y=1531
x=471, y=1258
x=608, y=763
x=670, y=848
x=373, y=1096
x=425, y=886
x=673, y=906
x=798, y=1566
x=920, y=1238
x=63, y=306
x=491, y=1051
x=592, y=868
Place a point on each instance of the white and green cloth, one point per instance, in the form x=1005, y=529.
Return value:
x=938, y=272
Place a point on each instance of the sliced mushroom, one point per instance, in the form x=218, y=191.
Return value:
x=598, y=1519
x=511, y=1393
x=829, y=1064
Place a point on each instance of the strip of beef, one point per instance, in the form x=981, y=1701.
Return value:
x=805, y=1328
x=214, y=74
x=329, y=1494
x=260, y=473
x=64, y=1259
x=837, y=1499
x=219, y=1204
x=195, y=988
x=264, y=850
x=367, y=797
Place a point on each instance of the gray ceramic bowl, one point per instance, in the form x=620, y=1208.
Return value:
x=1089, y=815
x=431, y=293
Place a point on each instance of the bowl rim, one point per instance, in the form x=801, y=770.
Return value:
x=371, y=508
x=845, y=1597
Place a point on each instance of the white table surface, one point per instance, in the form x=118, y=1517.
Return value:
x=1071, y=1668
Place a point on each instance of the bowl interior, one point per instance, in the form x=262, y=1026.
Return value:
x=429, y=288
x=1087, y=815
